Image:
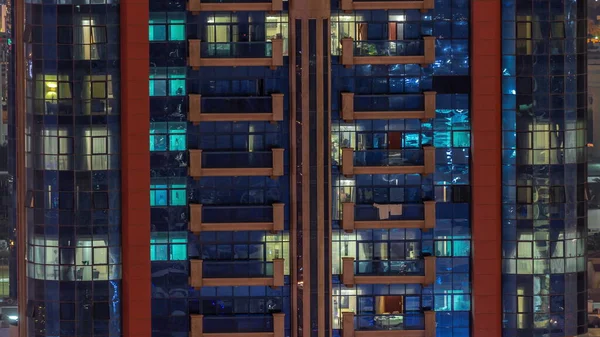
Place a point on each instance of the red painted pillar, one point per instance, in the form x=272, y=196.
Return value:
x=486, y=114
x=135, y=168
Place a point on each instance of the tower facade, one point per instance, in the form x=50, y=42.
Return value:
x=68, y=167
x=544, y=167
x=299, y=168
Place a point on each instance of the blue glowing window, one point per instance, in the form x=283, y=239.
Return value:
x=165, y=246
x=168, y=136
x=166, y=26
x=168, y=82
x=168, y=194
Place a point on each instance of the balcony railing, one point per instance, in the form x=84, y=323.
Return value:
x=242, y=326
x=235, y=109
x=388, y=107
x=235, y=54
x=406, y=161
x=236, y=164
x=388, y=52
x=236, y=218
x=197, y=6
x=388, y=271
x=396, y=216
x=389, y=325
x=236, y=273
x=366, y=5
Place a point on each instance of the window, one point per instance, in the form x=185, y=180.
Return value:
x=89, y=259
x=524, y=195
x=167, y=82
x=168, y=136
x=96, y=94
x=167, y=26
x=90, y=39
x=97, y=145
x=168, y=192
x=50, y=90
x=557, y=194
x=461, y=193
x=168, y=246
x=57, y=150
x=222, y=28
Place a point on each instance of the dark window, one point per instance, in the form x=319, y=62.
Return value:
x=524, y=194
x=557, y=194
x=461, y=193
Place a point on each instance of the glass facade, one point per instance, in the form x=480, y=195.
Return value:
x=72, y=135
x=392, y=142
x=342, y=226
x=225, y=254
x=544, y=167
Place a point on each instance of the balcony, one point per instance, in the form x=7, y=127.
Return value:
x=236, y=273
x=197, y=6
x=237, y=326
x=407, y=161
x=235, y=54
x=235, y=109
x=388, y=271
x=388, y=107
x=390, y=325
x=367, y=5
x=236, y=164
x=236, y=218
x=388, y=52
x=369, y=216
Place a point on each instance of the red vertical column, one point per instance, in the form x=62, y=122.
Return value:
x=486, y=104
x=135, y=168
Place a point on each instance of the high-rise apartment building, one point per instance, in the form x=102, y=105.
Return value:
x=301, y=168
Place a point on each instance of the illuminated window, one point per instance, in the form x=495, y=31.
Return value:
x=97, y=145
x=90, y=39
x=49, y=91
x=168, y=246
x=168, y=136
x=167, y=26
x=89, y=259
x=167, y=82
x=168, y=192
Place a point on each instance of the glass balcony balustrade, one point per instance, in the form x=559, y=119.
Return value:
x=255, y=49
x=405, y=157
x=408, y=102
x=236, y=104
x=237, y=1
x=389, y=48
x=375, y=322
x=235, y=159
x=237, y=214
x=412, y=267
x=236, y=269
x=369, y=212
x=238, y=324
